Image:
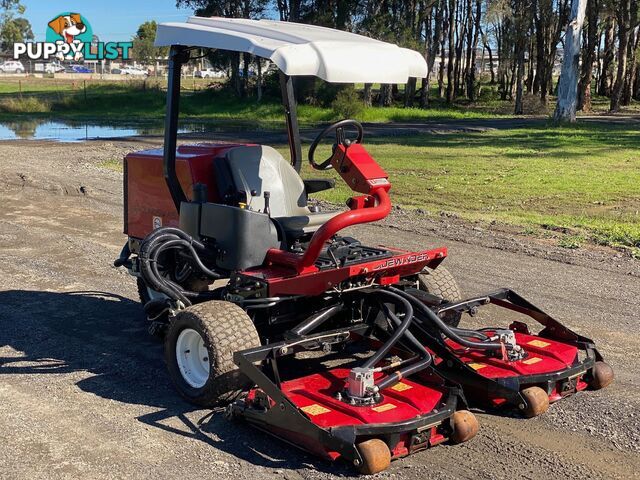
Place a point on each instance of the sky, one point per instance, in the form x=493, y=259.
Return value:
x=111, y=20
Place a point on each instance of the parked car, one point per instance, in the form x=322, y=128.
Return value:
x=78, y=69
x=131, y=70
x=210, y=73
x=12, y=66
x=54, y=67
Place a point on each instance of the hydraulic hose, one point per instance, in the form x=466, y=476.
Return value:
x=396, y=335
x=393, y=378
x=446, y=329
x=164, y=239
x=413, y=340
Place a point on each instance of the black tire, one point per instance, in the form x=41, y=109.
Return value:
x=440, y=282
x=225, y=328
x=143, y=293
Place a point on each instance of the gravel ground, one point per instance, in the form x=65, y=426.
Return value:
x=83, y=390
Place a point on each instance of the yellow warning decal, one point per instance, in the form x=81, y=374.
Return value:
x=401, y=387
x=532, y=360
x=314, y=409
x=538, y=343
x=384, y=408
x=476, y=366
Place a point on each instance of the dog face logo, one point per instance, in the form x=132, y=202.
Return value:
x=71, y=29
x=68, y=26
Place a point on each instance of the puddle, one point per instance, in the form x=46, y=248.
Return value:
x=76, y=131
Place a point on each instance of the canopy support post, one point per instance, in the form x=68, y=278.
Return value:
x=177, y=56
x=289, y=103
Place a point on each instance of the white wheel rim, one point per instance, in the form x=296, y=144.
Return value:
x=192, y=357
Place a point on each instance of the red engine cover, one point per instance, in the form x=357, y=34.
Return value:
x=147, y=201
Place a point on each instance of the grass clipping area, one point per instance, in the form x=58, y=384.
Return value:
x=577, y=184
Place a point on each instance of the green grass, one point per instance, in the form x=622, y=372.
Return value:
x=146, y=100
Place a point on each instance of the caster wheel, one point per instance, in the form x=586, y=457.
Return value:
x=537, y=402
x=376, y=456
x=465, y=426
x=601, y=376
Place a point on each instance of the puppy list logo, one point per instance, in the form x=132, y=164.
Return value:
x=70, y=37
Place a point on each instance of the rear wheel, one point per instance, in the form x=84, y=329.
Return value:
x=199, y=348
x=440, y=282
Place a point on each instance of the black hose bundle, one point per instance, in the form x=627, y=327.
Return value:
x=458, y=335
x=164, y=239
x=401, y=330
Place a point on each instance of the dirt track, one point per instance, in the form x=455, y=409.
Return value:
x=83, y=390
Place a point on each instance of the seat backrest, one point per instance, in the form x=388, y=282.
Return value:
x=262, y=169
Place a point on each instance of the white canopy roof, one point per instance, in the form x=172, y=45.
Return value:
x=297, y=49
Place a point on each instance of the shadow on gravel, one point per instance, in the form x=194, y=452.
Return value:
x=105, y=335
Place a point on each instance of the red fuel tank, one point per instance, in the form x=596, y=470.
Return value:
x=147, y=201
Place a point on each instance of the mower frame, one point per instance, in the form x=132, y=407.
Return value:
x=341, y=439
x=510, y=388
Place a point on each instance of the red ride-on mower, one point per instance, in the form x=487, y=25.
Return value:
x=346, y=350
x=260, y=301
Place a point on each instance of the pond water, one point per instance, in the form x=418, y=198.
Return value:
x=78, y=131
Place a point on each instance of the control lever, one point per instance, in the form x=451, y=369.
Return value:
x=267, y=209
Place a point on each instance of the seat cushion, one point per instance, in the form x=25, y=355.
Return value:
x=300, y=224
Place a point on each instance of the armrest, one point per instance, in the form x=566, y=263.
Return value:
x=318, y=185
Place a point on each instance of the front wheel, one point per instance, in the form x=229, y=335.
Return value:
x=199, y=349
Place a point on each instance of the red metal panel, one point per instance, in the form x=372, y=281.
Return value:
x=359, y=170
x=543, y=356
x=285, y=281
x=146, y=193
x=315, y=395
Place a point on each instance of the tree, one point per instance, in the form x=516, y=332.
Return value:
x=15, y=30
x=588, y=57
x=623, y=17
x=143, y=49
x=568, y=86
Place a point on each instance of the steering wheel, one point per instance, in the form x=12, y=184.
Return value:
x=340, y=140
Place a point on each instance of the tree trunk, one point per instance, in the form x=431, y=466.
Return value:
x=367, y=95
x=519, y=104
x=589, y=52
x=471, y=82
x=409, y=92
x=623, y=15
x=452, y=47
x=491, y=69
x=259, y=79
x=606, y=77
x=245, y=74
x=631, y=64
x=568, y=85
